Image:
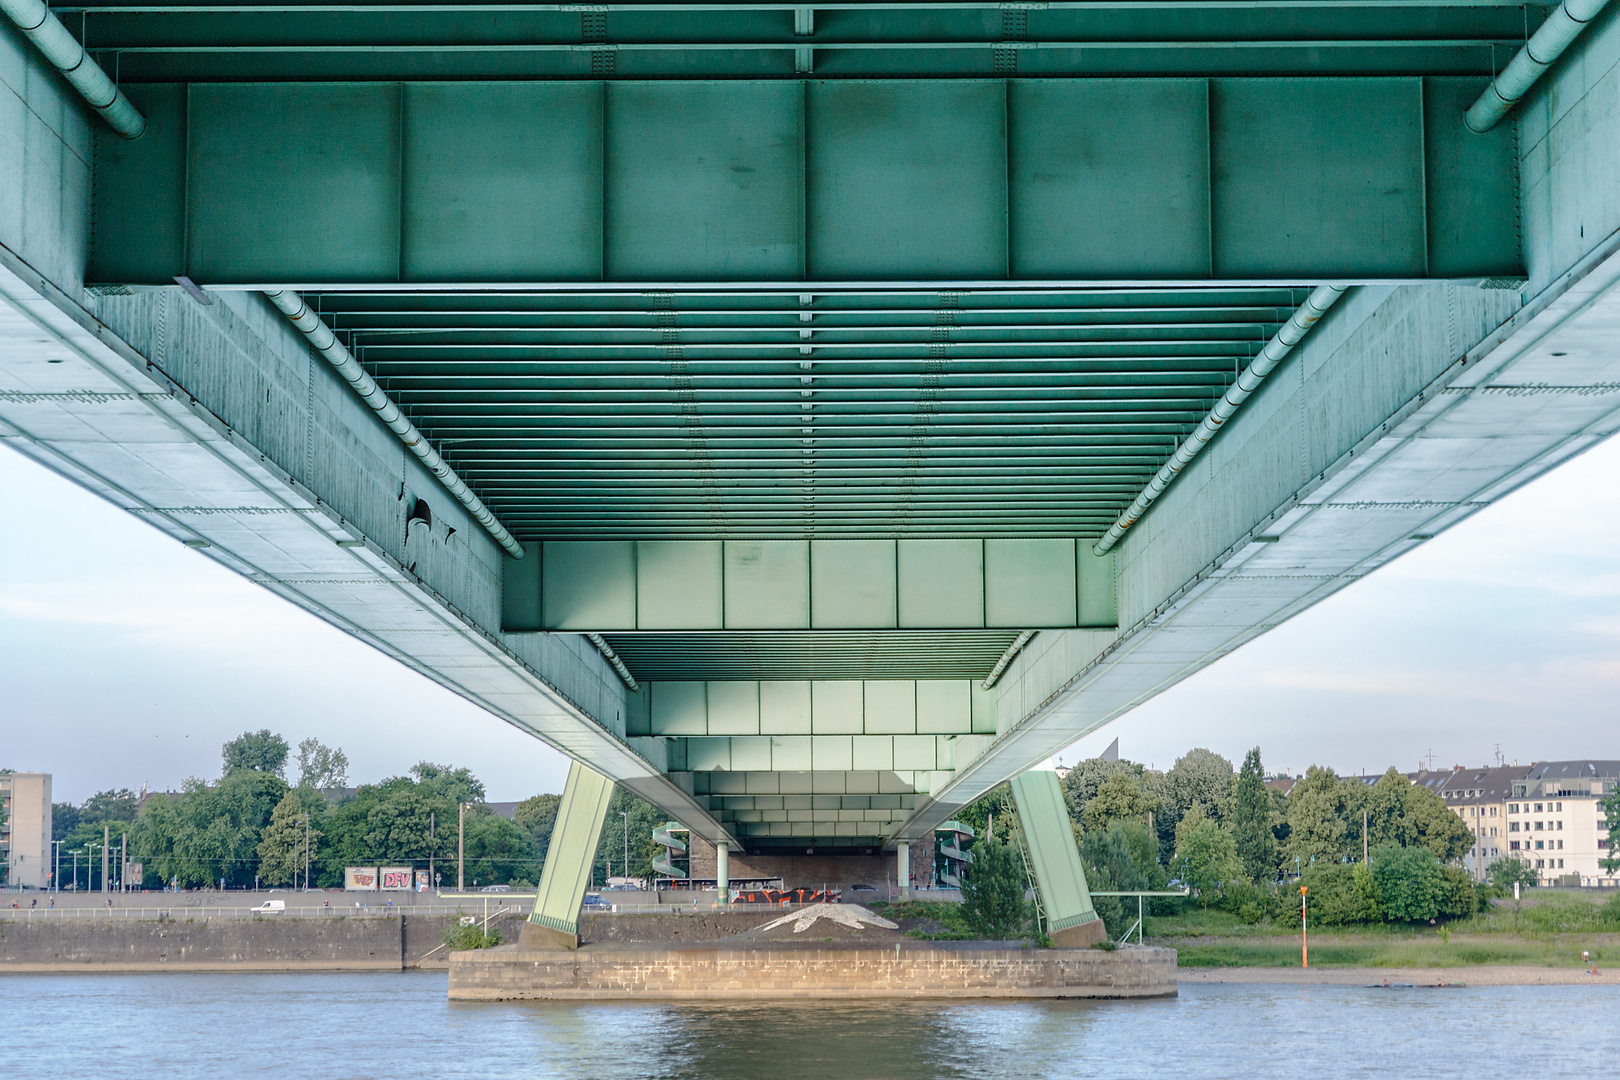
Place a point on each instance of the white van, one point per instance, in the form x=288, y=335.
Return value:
x=271, y=907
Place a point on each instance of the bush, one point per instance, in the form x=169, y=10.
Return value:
x=1410, y=883
x=1341, y=895
x=1611, y=910
x=473, y=936
x=1458, y=897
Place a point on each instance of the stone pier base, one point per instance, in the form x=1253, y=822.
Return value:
x=728, y=971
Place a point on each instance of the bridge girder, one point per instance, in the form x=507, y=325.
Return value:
x=702, y=183
x=736, y=310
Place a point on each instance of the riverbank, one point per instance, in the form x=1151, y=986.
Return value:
x=1417, y=978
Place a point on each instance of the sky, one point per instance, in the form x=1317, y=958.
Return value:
x=128, y=659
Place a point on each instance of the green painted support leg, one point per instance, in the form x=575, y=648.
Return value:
x=554, y=923
x=1071, y=920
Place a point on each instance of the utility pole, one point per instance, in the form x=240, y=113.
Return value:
x=123, y=862
x=461, y=847
x=626, y=815
x=306, y=853
x=432, y=846
x=106, y=852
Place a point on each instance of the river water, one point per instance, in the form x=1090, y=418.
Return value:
x=385, y=1025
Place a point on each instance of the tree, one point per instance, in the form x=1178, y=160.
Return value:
x=1403, y=813
x=282, y=849
x=1251, y=820
x=1120, y=858
x=111, y=805
x=993, y=904
x=1200, y=778
x=1410, y=884
x=64, y=819
x=456, y=784
x=258, y=750
x=321, y=767
x=1206, y=855
x=538, y=814
x=1316, y=823
x=398, y=820
x=1432, y=824
x=642, y=817
x=1120, y=797
x=499, y=850
x=209, y=832
x=1081, y=784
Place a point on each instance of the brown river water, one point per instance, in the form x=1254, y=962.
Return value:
x=387, y=1025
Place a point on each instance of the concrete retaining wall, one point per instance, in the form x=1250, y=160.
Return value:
x=334, y=943
x=908, y=970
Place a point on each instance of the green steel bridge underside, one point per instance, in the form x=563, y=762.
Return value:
x=807, y=354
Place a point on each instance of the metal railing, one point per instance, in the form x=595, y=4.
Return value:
x=177, y=911
x=1140, y=907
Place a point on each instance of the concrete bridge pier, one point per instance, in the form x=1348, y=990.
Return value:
x=1071, y=920
x=554, y=923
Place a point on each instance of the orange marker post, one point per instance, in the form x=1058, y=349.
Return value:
x=1304, y=933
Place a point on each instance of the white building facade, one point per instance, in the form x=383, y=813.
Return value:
x=1555, y=821
x=25, y=837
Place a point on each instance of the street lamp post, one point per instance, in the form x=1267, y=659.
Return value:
x=461, y=847
x=626, y=815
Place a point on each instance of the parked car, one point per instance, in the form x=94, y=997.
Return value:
x=271, y=907
x=863, y=888
x=496, y=888
x=594, y=902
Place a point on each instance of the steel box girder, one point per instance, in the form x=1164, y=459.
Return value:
x=883, y=584
x=812, y=181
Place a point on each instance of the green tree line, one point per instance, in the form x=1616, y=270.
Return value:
x=1387, y=851
x=252, y=823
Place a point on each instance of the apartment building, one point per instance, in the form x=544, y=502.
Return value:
x=1554, y=821
x=1481, y=797
x=25, y=837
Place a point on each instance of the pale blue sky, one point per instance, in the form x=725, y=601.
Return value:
x=126, y=658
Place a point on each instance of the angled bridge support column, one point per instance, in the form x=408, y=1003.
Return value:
x=554, y=923
x=1071, y=920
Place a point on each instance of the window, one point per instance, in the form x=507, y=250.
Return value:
x=1513, y=826
x=1538, y=826
x=1560, y=864
x=1560, y=845
x=1560, y=809
x=1493, y=811
x=1513, y=845
x=1513, y=808
x=1560, y=826
x=1541, y=864
x=1538, y=808
x=1540, y=845
x=1603, y=843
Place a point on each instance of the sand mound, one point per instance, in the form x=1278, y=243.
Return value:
x=817, y=922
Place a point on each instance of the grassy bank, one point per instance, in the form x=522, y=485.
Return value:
x=1547, y=930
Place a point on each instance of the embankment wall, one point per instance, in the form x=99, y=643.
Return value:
x=272, y=943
